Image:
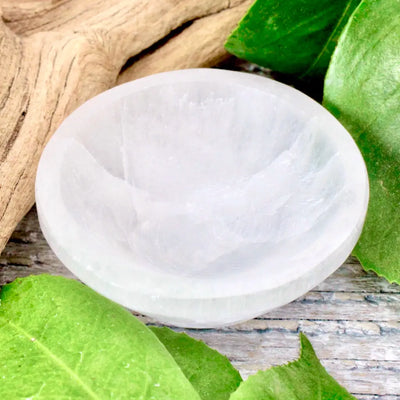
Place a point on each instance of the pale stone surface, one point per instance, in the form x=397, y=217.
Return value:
x=202, y=197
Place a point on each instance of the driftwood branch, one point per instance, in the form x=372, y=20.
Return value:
x=201, y=44
x=54, y=55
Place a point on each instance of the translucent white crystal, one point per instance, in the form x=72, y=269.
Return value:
x=201, y=197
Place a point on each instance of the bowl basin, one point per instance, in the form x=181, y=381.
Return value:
x=201, y=197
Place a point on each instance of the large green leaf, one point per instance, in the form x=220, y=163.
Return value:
x=291, y=36
x=210, y=373
x=61, y=340
x=362, y=89
x=303, y=379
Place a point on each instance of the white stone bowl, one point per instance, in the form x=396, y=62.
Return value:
x=202, y=197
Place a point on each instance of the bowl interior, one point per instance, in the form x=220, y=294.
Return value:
x=208, y=181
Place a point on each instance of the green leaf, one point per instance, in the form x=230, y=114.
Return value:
x=291, y=36
x=210, y=373
x=302, y=379
x=362, y=89
x=61, y=340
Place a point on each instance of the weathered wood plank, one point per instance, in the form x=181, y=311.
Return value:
x=352, y=319
x=329, y=345
x=341, y=306
x=351, y=360
x=377, y=397
x=353, y=279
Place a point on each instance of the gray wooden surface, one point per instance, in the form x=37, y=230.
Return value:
x=352, y=319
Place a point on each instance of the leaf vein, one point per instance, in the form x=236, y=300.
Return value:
x=383, y=34
x=329, y=40
x=54, y=358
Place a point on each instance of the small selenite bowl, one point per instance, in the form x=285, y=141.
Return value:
x=202, y=197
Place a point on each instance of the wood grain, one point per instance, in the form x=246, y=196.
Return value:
x=54, y=55
x=191, y=48
x=352, y=319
